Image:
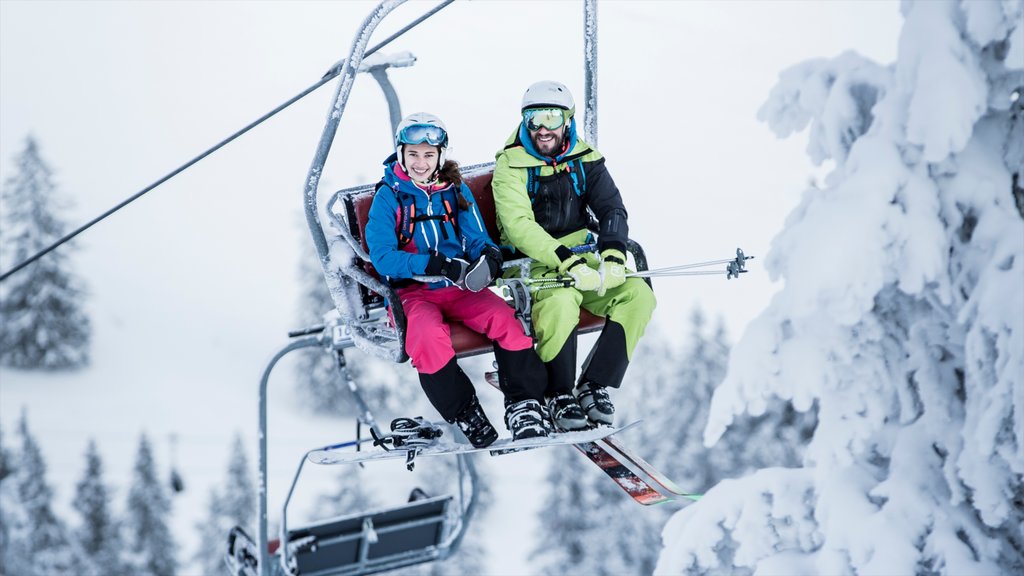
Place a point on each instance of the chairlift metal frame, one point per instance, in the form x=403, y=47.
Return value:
x=356, y=326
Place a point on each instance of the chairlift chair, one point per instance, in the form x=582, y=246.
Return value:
x=420, y=530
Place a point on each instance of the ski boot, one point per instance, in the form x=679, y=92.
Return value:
x=525, y=419
x=566, y=413
x=475, y=425
x=596, y=402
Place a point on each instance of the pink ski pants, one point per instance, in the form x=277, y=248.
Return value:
x=428, y=339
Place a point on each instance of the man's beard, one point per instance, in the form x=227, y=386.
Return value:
x=556, y=144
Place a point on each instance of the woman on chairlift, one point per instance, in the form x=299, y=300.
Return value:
x=427, y=238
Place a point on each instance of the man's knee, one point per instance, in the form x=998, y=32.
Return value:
x=636, y=297
x=558, y=307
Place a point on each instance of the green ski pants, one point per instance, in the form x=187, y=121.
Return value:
x=556, y=311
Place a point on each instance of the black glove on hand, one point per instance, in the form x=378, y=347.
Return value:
x=453, y=269
x=484, y=270
x=494, y=260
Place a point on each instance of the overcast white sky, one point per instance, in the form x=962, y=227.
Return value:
x=118, y=93
x=193, y=287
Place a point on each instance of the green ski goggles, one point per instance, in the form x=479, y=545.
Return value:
x=550, y=118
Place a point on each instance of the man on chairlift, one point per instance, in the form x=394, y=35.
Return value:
x=547, y=185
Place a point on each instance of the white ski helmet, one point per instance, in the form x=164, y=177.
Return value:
x=549, y=94
x=419, y=128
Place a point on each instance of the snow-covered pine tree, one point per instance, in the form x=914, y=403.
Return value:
x=13, y=556
x=209, y=557
x=233, y=505
x=565, y=523
x=317, y=380
x=99, y=533
x=39, y=540
x=385, y=386
x=674, y=436
x=151, y=547
x=42, y=324
x=902, y=316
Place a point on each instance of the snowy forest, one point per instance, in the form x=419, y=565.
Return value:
x=867, y=421
x=901, y=322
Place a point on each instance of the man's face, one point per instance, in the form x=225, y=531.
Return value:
x=548, y=142
x=546, y=127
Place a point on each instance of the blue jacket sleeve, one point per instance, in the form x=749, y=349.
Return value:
x=471, y=225
x=382, y=240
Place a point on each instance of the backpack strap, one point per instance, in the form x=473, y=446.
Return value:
x=405, y=215
x=579, y=176
x=452, y=213
x=532, y=183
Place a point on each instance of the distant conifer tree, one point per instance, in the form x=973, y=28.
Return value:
x=98, y=535
x=39, y=540
x=151, y=548
x=42, y=324
x=233, y=505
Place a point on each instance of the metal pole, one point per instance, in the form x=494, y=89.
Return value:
x=590, y=72
x=264, y=555
x=336, y=282
x=394, y=108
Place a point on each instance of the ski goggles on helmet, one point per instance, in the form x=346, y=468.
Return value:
x=550, y=118
x=420, y=133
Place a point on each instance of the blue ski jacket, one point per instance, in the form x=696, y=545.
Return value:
x=408, y=223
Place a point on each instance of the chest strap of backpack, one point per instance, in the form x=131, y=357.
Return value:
x=406, y=219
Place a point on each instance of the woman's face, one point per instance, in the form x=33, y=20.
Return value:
x=420, y=161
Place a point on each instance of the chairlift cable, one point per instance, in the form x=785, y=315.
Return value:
x=330, y=75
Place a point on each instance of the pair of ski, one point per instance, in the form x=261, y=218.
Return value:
x=636, y=477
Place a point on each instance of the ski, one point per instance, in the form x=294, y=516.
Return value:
x=643, y=482
x=663, y=484
x=443, y=445
x=639, y=489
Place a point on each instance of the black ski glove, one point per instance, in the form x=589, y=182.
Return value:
x=453, y=269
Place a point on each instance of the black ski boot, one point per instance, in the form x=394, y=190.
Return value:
x=596, y=402
x=475, y=425
x=525, y=419
x=566, y=414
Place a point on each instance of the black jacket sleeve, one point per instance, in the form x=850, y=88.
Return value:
x=604, y=199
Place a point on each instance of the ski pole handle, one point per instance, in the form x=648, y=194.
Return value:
x=584, y=248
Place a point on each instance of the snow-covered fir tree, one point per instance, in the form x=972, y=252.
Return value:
x=39, y=543
x=316, y=371
x=13, y=559
x=151, y=547
x=584, y=512
x=674, y=437
x=577, y=495
x=902, y=318
x=234, y=504
x=386, y=387
x=98, y=534
x=42, y=323
x=672, y=395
